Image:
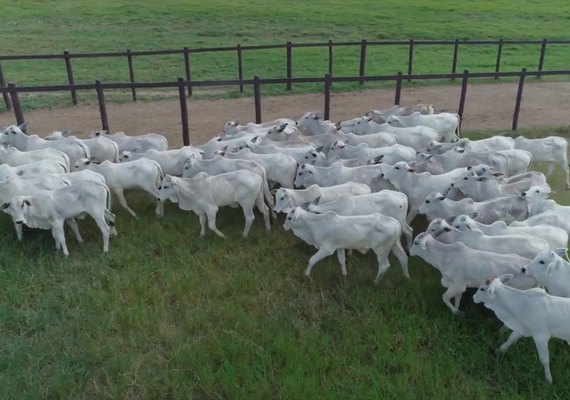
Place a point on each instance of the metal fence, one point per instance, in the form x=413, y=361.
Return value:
x=186, y=54
x=13, y=91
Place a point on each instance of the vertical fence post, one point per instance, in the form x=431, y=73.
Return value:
x=410, y=60
x=463, y=96
x=102, y=107
x=362, y=71
x=455, y=52
x=330, y=57
x=70, y=79
x=240, y=67
x=289, y=64
x=541, y=60
x=257, y=99
x=498, y=62
x=398, y=89
x=327, y=110
x=187, y=69
x=16, y=104
x=131, y=74
x=183, y=112
x=5, y=95
x=519, y=99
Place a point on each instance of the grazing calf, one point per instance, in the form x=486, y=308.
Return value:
x=287, y=199
x=171, y=161
x=36, y=168
x=50, y=209
x=135, y=144
x=205, y=194
x=551, y=271
x=144, y=174
x=386, y=202
x=337, y=174
x=551, y=150
x=527, y=313
x=13, y=157
x=462, y=267
x=330, y=232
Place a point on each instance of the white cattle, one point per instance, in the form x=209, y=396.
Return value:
x=14, y=157
x=389, y=155
x=538, y=202
x=347, y=162
x=205, y=194
x=505, y=208
x=551, y=150
x=82, y=176
x=337, y=174
x=551, y=271
x=462, y=267
x=387, y=202
x=219, y=165
x=481, y=188
x=214, y=145
x=418, y=185
x=493, y=143
x=298, y=153
x=312, y=124
x=551, y=218
x=507, y=243
x=325, y=140
x=232, y=128
x=45, y=167
x=171, y=161
x=446, y=124
x=287, y=199
x=14, y=136
x=379, y=116
x=135, y=144
x=50, y=209
x=330, y=232
x=458, y=158
x=313, y=157
x=519, y=161
x=556, y=237
x=380, y=139
x=279, y=168
x=527, y=313
x=143, y=173
x=100, y=147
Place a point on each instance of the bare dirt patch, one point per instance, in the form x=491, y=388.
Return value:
x=488, y=106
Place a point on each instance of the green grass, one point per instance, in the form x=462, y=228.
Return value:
x=88, y=26
x=167, y=315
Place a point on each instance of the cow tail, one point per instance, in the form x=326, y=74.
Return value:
x=458, y=124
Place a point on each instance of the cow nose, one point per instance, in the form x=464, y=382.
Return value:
x=453, y=185
x=19, y=222
x=382, y=175
x=523, y=194
x=523, y=270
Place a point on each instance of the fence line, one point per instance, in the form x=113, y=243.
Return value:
x=239, y=49
x=327, y=80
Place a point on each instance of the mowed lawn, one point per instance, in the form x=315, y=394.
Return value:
x=88, y=26
x=168, y=315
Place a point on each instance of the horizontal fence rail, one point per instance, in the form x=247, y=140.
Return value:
x=12, y=91
x=360, y=69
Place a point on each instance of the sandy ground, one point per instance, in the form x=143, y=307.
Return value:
x=488, y=106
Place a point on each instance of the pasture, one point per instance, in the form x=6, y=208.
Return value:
x=167, y=315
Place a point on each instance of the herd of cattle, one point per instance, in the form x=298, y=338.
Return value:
x=491, y=224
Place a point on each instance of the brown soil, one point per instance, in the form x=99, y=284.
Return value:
x=488, y=106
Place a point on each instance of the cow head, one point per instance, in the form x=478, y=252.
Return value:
x=17, y=208
x=304, y=174
x=125, y=156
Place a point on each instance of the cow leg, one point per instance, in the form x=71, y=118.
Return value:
x=541, y=343
x=19, y=228
x=249, y=218
x=105, y=231
x=402, y=257
x=123, y=202
x=408, y=233
x=549, y=169
x=566, y=169
x=412, y=214
x=318, y=256
x=212, y=222
x=264, y=209
x=59, y=235
x=513, y=337
x=342, y=261
x=452, y=292
x=383, y=263
x=73, y=224
x=159, y=211
x=57, y=245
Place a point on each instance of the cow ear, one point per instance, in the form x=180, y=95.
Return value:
x=254, y=139
x=27, y=203
x=440, y=198
x=411, y=170
x=23, y=127
x=20, y=173
x=274, y=192
x=92, y=158
x=561, y=251
x=4, y=206
x=473, y=214
x=482, y=179
x=309, y=171
x=316, y=201
x=305, y=206
x=447, y=229
x=319, y=149
x=498, y=174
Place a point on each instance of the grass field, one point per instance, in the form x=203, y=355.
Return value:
x=167, y=315
x=87, y=26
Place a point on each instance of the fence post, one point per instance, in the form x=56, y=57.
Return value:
x=102, y=107
x=519, y=99
x=289, y=64
x=70, y=76
x=498, y=62
x=16, y=104
x=187, y=69
x=541, y=60
x=410, y=60
x=183, y=112
x=257, y=99
x=240, y=67
x=463, y=96
x=330, y=57
x=5, y=95
x=362, y=72
x=131, y=74
x=398, y=89
x=327, y=110
x=455, y=52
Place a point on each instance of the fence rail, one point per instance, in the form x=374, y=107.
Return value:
x=13, y=91
x=288, y=47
